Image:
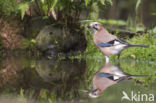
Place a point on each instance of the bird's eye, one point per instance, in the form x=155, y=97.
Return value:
x=95, y=24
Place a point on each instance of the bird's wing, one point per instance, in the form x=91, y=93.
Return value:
x=108, y=44
x=122, y=41
x=114, y=42
x=104, y=44
x=107, y=75
x=103, y=75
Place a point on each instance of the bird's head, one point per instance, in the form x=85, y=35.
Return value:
x=95, y=92
x=95, y=26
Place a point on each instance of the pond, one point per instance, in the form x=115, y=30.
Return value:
x=25, y=79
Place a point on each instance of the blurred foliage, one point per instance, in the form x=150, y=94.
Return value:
x=30, y=44
x=137, y=6
x=95, y=7
x=23, y=7
x=107, y=21
x=63, y=8
x=8, y=6
x=153, y=13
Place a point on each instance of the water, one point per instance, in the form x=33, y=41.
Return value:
x=26, y=79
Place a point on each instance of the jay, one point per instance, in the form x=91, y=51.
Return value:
x=108, y=43
x=107, y=76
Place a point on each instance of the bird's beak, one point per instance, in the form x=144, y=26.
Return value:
x=89, y=26
x=94, y=89
x=91, y=93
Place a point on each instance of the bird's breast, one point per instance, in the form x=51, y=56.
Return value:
x=106, y=51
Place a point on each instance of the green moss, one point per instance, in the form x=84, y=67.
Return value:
x=140, y=68
x=139, y=52
x=28, y=44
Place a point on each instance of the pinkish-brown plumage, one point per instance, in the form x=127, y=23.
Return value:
x=102, y=83
x=103, y=36
x=108, y=43
x=107, y=76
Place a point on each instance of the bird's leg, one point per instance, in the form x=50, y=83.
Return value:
x=107, y=59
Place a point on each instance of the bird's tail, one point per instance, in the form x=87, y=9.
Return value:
x=136, y=45
x=133, y=76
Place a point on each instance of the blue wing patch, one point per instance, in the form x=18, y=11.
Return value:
x=104, y=44
x=104, y=75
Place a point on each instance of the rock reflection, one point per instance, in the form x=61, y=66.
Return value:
x=63, y=77
x=107, y=76
x=59, y=70
x=60, y=79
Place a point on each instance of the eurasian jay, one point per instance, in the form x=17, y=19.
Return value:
x=107, y=76
x=108, y=43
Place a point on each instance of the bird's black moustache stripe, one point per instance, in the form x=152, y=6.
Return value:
x=95, y=28
x=94, y=90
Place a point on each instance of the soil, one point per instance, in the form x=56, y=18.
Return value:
x=11, y=29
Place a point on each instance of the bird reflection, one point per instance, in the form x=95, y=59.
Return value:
x=107, y=76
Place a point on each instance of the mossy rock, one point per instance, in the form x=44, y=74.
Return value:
x=34, y=25
x=55, y=70
x=57, y=38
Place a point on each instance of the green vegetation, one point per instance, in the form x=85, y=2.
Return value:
x=67, y=8
x=29, y=44
x=8, y=6
x=142, y=53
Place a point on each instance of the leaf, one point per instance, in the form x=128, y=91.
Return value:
x=23, y=7
x=133, y=56
x=42, y=1
x=102, y=2
x=86, y=2
x=33, y=41
x=153, y=13
x=54, y=3
x=137, y=5
x=109, y=1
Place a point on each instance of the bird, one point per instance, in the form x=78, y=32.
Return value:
x=107, y=76
x=109, y=44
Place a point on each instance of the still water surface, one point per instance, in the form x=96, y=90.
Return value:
x=30, y=80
